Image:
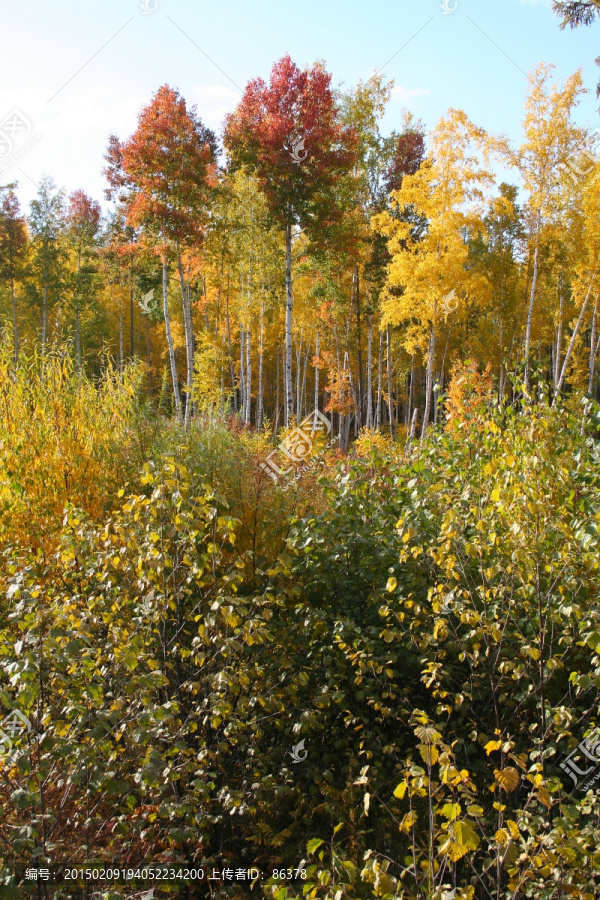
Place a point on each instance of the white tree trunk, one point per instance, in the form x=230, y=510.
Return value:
x=172, y=361
x=289, y=400
x=429, y=381
x=369, y=422
x=530, y=309
x=563, y=373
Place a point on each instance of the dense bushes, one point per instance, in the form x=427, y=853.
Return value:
x=426, y=623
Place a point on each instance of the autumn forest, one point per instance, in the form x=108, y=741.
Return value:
x=300, y=504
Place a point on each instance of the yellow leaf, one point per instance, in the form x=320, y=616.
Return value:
x=492, y=745
x=400, y=790
x=451, y=811
x=502, y=836
x=429, y=753
x=391, y=584
x=464, y=834
x=514, y=829
x=495, y=495
x=407, y=822
x=507, y=778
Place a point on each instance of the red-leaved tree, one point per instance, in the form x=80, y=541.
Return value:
x=288, y=134
x=165, y=173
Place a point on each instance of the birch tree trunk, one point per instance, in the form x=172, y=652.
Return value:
x=172, y=361
x=389, y=380
x=189, y=349
x=277, y=397
x=131, y=311
x=593, y=352
x=248, y=404
x=261, y=350
x=370, y=374
x=121, y=338
x=530, y=310
x=229, y=351
x=411, y=388
x=298, y=373
x=359, y=407
x=77, y=330
x=429, y=380
x=15, y=323
x=379, y=376
x=242, y=373
x=317, y=373
x=303, y=388
x=289, y=400
x=563, y=372
x=44, y=313
x=558, y=337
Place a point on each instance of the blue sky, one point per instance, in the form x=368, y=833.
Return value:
x=472, y=58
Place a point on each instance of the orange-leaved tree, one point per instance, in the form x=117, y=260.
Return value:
x=166, y=173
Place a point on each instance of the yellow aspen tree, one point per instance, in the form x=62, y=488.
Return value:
x=586, y=269
x=551, y=137
x=428, y=274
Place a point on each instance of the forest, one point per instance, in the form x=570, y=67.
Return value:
x=300, y=504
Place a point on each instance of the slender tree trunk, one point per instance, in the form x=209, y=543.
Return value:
x=370, y=374
x=593, y=352
x=411, y=387
x=557, y=356
x=242, y=373
x=229, y=350
x=131, y=311
x=429, y=380
x=298, y=373
x=359, y=408
x=530, y=309
x=277, y=397
x=222, y=267
x=303, y=388
x=413, y=424
x=149, y=357
x=15, y=323
x=261, y=350
x=77, y=330
x=379, y=378
x=389, y=380
x=248, y=405
x=121, y=359
x=172, y=361
x=45, y=312
x=317, y=373
x=289, y=400
x=189, y=348
x=563, y=373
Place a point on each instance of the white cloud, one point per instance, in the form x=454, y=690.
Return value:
x=403, y=94
x=214, y=101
